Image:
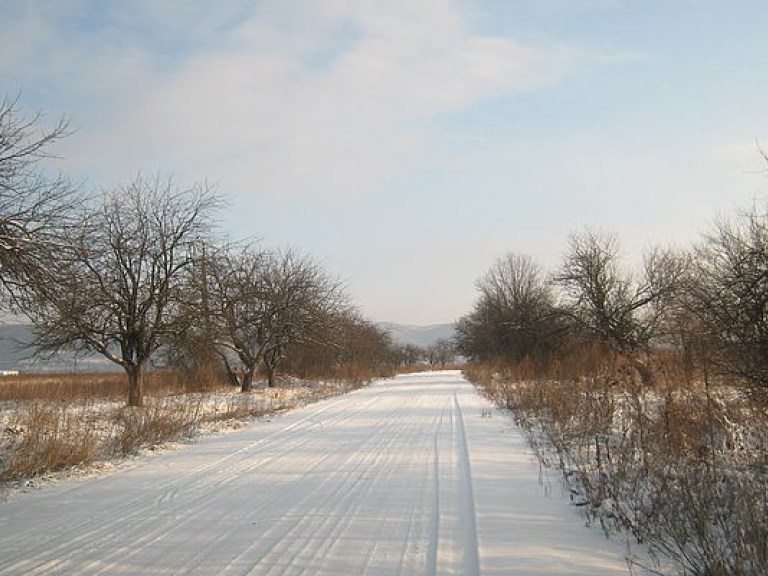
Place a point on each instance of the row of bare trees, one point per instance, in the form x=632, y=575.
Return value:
x=646, y=387
x=136, y=273
x=439, y=354
x=711, y=300
x=252, y=306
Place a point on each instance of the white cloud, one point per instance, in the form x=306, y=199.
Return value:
x=293, y=98
x=317, y=103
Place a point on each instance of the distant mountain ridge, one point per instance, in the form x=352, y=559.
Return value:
x=13, y=338
x=423, y=336
x=14, y=356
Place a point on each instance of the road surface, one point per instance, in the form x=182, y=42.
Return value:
x=407, y=476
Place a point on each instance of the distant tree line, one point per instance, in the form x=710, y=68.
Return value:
x=709, y=302
x=137, y=273
x=439, y=355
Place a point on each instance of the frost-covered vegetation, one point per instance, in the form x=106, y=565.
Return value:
x=647, y=387
x=680, y=466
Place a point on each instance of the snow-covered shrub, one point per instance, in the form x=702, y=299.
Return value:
x=682, y=466
x=46, y=436
x=161, y=420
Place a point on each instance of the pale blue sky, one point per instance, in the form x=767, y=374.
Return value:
x=408, y=144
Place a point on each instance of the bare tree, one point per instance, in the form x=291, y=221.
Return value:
x=118, y=288
x=442, y=352
x=729, y=295
x=34, y=208
x=512, y=318
x=352, y=349
x=409, y=354
x=619, y=309
x=236, y=308
x=303, y=304
x=262, y=303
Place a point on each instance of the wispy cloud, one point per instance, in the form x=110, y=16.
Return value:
x=416, y=138
x=288, y=98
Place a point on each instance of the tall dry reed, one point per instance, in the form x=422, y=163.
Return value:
x=681, y=465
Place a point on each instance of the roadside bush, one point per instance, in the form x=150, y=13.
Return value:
x=682, y=466
x=160, y=420
x=43, y=437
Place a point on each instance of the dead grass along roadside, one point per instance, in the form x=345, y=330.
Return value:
x=51, y=424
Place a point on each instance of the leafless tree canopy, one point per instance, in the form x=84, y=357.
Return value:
x=305, y=304
x=35, y=208
x=117, y=289
x=729, y=295
x=442, y=353
x=259, y=303
x=349, y=347
x=230, y=284
x=620, y=309
x=512, y=317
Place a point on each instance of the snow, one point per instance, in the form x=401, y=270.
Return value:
x=413, y=475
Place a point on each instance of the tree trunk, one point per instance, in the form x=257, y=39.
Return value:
x=247, y=383
x=135, y=393
x=271, y=360
x=232, y=376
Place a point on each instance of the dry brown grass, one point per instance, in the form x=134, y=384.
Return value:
x=51, y=422
x=42, y=437
x=63, y=387
x=76, y=386
x=681, y=464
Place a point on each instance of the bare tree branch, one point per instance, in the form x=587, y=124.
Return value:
x=35, y=209
x=118, y=289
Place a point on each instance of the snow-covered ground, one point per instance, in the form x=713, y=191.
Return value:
x=408, y=476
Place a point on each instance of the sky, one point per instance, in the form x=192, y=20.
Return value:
x=408, y=144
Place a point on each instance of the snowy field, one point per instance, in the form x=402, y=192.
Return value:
x=407, y=476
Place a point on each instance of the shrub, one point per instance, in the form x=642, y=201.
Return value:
x=43, y=437
x=682, y=466
x=160, y=420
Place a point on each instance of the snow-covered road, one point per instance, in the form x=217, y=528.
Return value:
x=407, y=476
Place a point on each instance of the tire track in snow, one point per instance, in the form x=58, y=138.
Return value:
x=395, y=479
x=133, y=515
x=470, y=564
x=434, y=520
x=453, y=539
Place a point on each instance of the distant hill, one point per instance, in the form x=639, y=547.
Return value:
x=13, y=337
x=423, y=336
x=14, y=355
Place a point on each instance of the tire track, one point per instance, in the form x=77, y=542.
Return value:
x=470, y=560
x=378, y=482
x=453, y=547
x=65, y=539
